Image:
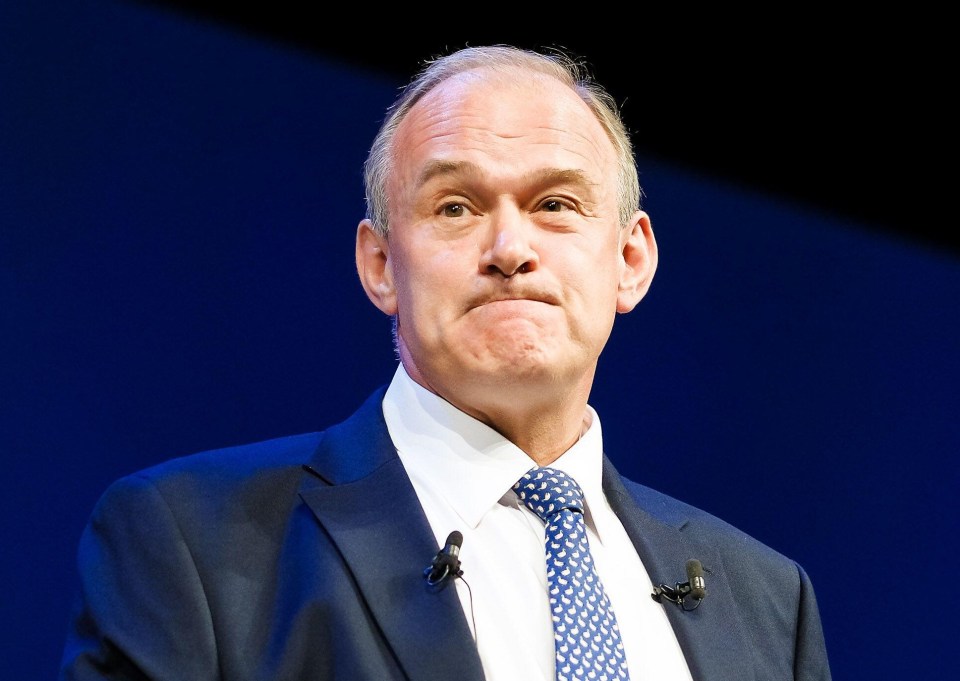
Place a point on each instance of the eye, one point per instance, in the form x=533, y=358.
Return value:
x=452, y=210
x=553, y=206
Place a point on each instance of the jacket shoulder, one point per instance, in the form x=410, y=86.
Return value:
x=733, y=543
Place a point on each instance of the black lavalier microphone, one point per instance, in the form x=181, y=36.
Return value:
x=694, y=588
x=446, y=564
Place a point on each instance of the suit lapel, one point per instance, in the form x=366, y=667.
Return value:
x=711, y=636
x=372, y=513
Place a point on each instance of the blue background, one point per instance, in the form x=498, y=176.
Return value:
x=178, y=204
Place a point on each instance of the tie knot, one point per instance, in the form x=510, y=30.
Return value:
x=547, y=491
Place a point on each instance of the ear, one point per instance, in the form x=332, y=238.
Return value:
x=638, y=250
x=375, y=268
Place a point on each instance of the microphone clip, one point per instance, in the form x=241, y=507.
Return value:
x=677, y=595
x=446, y=564
x=685, y=595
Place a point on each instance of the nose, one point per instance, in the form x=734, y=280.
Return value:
x=511, y=249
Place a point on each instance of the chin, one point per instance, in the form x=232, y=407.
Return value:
x=528, y=365
x=524, y=353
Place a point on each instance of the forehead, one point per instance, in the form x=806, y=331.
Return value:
x=505, y=121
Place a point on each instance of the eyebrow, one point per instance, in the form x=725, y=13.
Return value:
x=545, y=176
x=437, y=168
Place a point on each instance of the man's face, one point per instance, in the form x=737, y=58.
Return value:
x=505, y=254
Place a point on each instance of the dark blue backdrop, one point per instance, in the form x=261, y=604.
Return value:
x=177, y=210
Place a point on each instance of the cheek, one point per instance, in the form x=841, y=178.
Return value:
x=592, y=290
x=431, y=283
x=451, y=266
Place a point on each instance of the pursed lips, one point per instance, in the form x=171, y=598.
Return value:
x=528, y=296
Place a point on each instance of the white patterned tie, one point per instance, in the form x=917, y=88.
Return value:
x=586, y=634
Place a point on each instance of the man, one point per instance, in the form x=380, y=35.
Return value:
x=504, y=234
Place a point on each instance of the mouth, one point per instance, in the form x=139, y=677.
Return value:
x=522, y=297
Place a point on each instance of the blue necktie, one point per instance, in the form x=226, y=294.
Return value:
x=586, y=635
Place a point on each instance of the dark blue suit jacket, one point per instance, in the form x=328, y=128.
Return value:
x=241, y=565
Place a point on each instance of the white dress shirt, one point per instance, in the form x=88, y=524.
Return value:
x=463, y=472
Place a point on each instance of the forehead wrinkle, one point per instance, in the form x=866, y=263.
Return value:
x=446, y=119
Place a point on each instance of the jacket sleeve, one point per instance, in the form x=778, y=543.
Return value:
x=140, y=610
x=810, y=656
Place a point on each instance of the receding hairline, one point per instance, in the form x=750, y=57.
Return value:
x=501, y=59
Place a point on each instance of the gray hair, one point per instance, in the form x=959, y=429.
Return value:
x=504, y=59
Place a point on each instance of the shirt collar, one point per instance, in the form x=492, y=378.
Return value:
x=469, y=464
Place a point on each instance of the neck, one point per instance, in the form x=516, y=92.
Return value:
x=544, y=435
